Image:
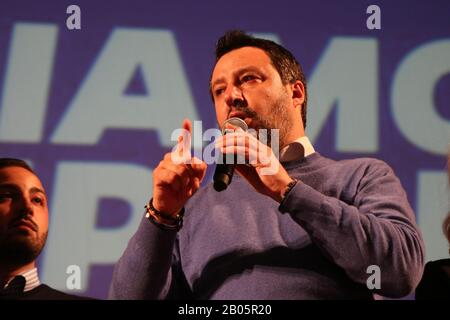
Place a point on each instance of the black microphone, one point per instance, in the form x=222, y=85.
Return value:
x=224, y=172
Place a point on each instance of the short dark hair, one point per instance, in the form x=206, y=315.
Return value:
x=282, y=59
x=13, y=162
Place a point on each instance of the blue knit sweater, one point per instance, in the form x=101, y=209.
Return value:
x=341, y=218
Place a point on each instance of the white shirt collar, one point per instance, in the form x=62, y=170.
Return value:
x=31, y=279
x=297, y=149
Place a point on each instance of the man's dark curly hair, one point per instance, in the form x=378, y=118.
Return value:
x=284, y=62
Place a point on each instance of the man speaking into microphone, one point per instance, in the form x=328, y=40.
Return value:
x=309, y=229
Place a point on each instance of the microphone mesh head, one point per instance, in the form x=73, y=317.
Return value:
x=236, y=122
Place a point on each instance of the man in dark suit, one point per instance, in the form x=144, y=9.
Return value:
x=23, y=233
x=435, y=283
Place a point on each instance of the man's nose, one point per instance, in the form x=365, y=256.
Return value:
x=25, y=206
x=234, y=97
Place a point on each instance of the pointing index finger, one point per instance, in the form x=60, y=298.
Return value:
x=183, y=147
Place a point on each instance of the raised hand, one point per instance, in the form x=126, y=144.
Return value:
x=178, y=175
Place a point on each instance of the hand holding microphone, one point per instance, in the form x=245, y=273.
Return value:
x=262, y=168
x=224, y=171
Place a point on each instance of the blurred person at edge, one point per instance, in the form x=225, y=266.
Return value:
x=23, y=233
x=435, y=283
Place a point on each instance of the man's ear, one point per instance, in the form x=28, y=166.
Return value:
x=298, y=94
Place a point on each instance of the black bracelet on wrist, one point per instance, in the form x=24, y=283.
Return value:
x=155, y=217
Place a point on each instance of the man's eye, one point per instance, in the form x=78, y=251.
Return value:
x=248, y=77
x=218, y=92
x=5, y=196
x=38, y=200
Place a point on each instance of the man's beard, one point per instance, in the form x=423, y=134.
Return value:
x=277, y=119
x=19, y=250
